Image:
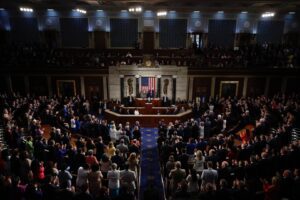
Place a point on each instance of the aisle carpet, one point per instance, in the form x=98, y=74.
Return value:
x=150, y=167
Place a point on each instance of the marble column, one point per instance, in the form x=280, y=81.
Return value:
x=122, y=88
x=174, y=90
x=105, y=95
x=137, y=86
x=212, y=87
x=82, y=87
x=158, y=85
x=190, y=89
x=245, y=86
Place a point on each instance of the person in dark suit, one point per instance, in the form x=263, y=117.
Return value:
x=165, y=101
x=130, y=101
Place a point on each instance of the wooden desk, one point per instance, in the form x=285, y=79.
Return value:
x=141, y=102
x=146, y=120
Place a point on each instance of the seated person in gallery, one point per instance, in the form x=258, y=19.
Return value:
x=136, y=112
x=128, y=112
x=182, y=110
x=128, y=55
x=176, y=110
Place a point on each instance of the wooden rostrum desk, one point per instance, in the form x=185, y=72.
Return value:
x=145, y=119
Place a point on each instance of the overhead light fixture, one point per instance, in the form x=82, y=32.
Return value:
x=220, y=11
x=137, y=9
x=292, y=13
x=244, y=12
x=25, y=9
x=50, y=9
x=2, y=9
x=161, y=13
x=81, y=11
x=196, y=11
x=99, y=10
x=268, y=14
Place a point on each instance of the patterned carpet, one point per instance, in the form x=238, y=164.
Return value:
x=150, y=167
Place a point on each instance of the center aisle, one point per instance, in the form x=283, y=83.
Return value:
x=150, y=166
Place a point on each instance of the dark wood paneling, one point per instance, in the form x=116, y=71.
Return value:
x=67, y=78
x=18, y=84
x=3, y=85
x=148, y=42
x=292, y=85
x=100, y=39
x=256, y=86
x=274, y=86
x=93, y=87
x=240, y=84
x=201, y=87
x=38, y=85
x=3, y=36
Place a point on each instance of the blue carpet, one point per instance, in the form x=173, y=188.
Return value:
x=150, y=166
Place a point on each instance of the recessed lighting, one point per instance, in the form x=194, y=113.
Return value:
x=292, y=13
x=268, y=14
x=25, y=9
x=80, y=11
x=161, y=13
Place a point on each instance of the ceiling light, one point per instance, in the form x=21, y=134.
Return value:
x=123, y=10
x=99, y=10
x=137, y=9
x=161, y=13
x=220, y=11
x=196, y=11
x=50, y=9
x=268, y=14
x=2, y=9
x=244, y=12
x=292, y=13
x=24, y=9
x=81, y=11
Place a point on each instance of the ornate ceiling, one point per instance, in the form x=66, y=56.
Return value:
x=177, y=5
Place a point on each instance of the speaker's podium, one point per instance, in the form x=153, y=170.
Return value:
x=150, y=113
x=148, y=102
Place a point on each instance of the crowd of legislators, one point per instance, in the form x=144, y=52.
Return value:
x=204, y=157
x=251, y=56
x=81, y=156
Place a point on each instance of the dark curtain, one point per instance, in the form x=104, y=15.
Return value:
x=123, y=32
x=270, y=32
x=221, y=32
x=172, y=33
x=74, y=32
x=24, y=29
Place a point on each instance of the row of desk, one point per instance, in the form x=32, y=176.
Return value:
x=146, y=120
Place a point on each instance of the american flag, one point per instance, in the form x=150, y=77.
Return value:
x=148, y=83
